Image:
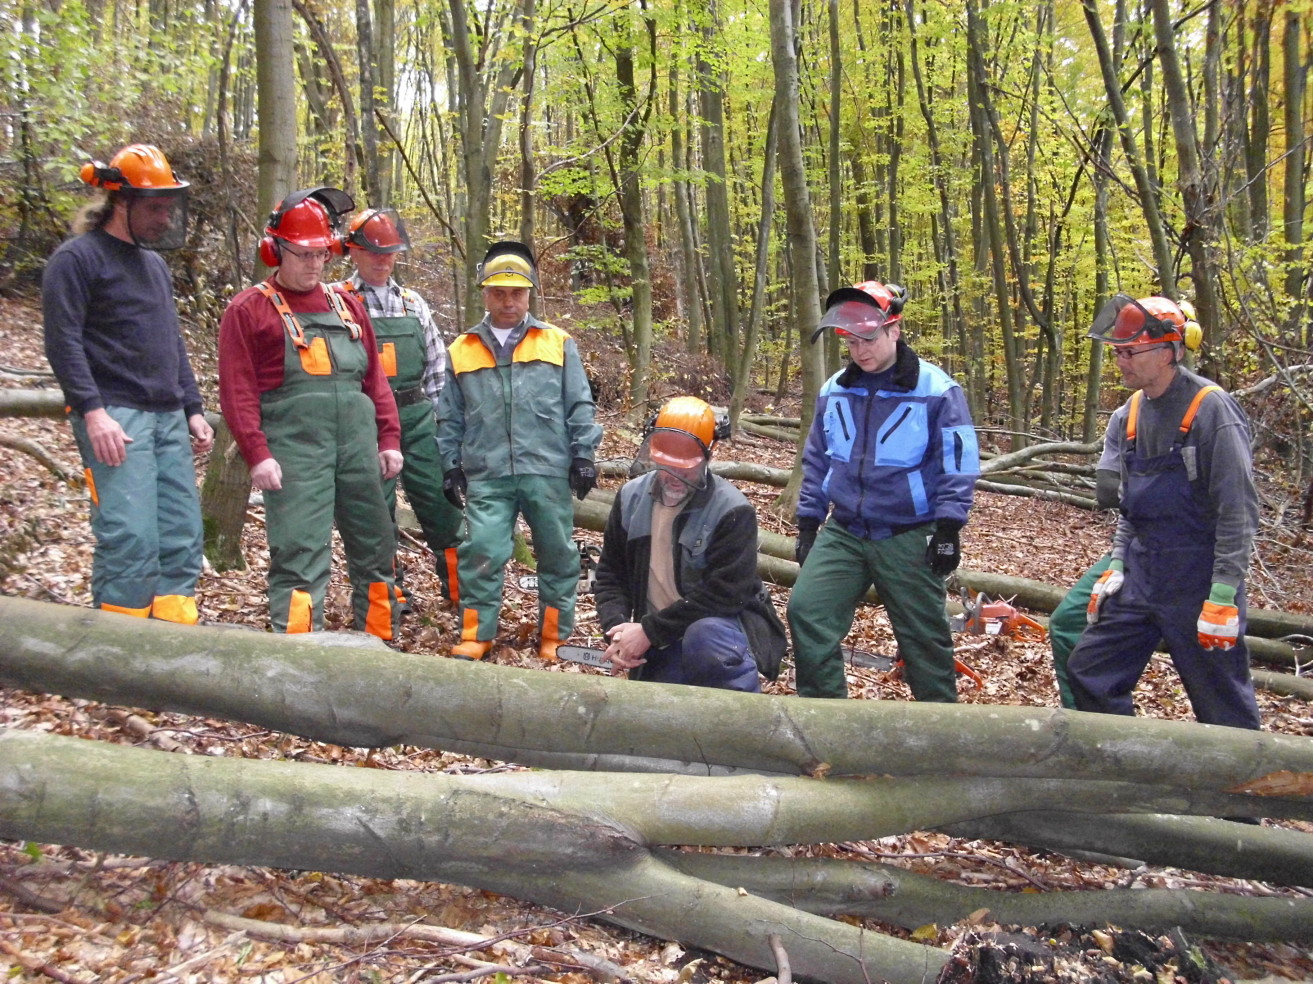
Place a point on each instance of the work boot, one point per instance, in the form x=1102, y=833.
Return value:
x=470, y=645
x=474, y=649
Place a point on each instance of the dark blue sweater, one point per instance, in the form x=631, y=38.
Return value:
x=111, y=328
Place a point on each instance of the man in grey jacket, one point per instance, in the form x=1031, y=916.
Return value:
x=1189, y=512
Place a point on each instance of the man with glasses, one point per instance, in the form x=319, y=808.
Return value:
x=889, y=467
x=414, y=359
x=308, y=403
x=1189, y=511
x=677, y=589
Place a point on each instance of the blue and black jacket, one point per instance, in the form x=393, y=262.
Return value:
x=889, y=451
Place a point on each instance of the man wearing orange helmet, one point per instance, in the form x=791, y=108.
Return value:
x=677, y=589
x=889, y=467
x=516, y=434
x=306, y=399
x=113, y=340
x=1189, y=512
x=414, y=358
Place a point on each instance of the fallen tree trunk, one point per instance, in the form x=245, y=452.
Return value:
x=583, y=842
x=31, y=403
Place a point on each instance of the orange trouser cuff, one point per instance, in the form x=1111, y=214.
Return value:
x=134, y=612
x=378, y=620
x=299, y=612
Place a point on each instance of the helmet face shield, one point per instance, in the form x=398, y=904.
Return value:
x=379, y=230
x=680, y=458
x=854, y=318
x=1126, y=321
x=157, y=220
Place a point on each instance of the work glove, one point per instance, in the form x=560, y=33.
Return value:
x=1219, y=622
x=943, y=552
x=1104, y=588
x=583, y=476
x=454, y=486
x=807, y=527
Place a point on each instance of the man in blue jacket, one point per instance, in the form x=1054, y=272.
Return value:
x=893, y=452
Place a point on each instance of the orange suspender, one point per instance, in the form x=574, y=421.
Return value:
x=294, y=330
x=1133, y=414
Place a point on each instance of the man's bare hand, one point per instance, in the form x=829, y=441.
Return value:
x=108, y=441
x=267, y=476
x=628, y=643
x=389, y=463
x=202, y=433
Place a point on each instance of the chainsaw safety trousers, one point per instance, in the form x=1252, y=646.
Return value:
x=490, y=511
x=1068, y=622
x=401, y=351
x=1169, y=572
x=713, y=652
x=146, y=517
x=321, y=428
x=840, y=568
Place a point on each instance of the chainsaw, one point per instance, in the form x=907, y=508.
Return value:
x=589, y=555
x=980, y=616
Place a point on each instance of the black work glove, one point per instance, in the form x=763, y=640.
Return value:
x=454, y=486
x=943, y=553
x=583, y=476
x=807, y=528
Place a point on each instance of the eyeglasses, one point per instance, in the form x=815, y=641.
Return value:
x=1131, y=351
x=312, y=256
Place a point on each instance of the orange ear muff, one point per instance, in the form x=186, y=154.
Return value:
x=270, y=254
x=338, y=246
x=98, y=174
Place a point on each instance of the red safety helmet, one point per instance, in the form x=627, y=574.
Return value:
x=308, y=218
x=378, y=230
x=862, y=309
x=1151, y=320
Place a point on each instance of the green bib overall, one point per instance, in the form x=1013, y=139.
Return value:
x=321, y=428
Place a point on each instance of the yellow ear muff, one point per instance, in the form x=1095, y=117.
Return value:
x=1193, y=335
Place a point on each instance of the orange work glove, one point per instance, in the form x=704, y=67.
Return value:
x=1219, y=621
x=1104, y=588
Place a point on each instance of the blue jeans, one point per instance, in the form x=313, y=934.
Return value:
x=714, y=652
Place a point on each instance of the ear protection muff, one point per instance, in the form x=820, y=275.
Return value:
x=271, y=254
x=898, y=297
x=722, y=430
x=98, y=174
x=1193, y=334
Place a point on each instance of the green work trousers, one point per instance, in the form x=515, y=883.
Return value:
x=830, y=586
x=491, y=507
x=1068, y=622
x=146, y=517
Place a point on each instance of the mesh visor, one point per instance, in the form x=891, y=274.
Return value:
x=856, y=318
x=157, y=219
x=1125, y=321
x=382, y=232
x=677, y=453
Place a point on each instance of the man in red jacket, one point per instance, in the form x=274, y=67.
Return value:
x=309, y=406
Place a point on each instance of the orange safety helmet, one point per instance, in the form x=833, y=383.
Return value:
x=378, y=230
x=862, y=309
x=683, y=433
x=1153, y=320
x=308, y=218
x=137, y=169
